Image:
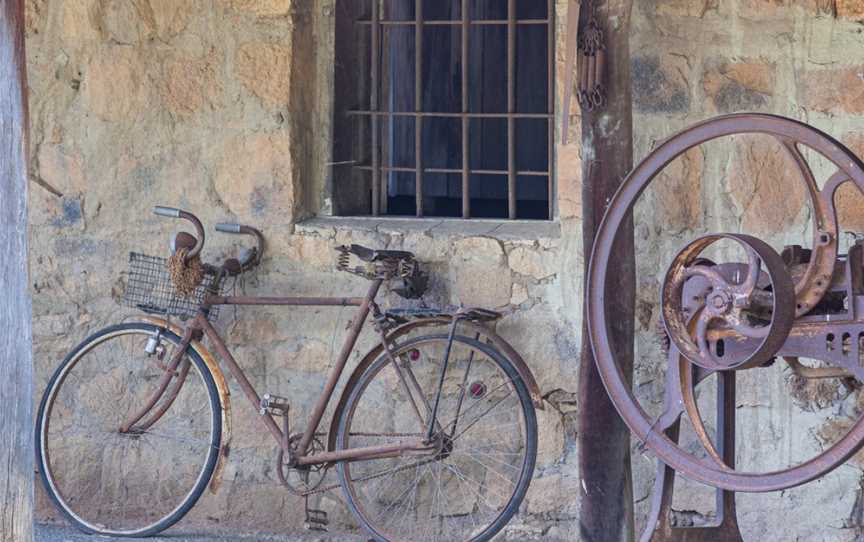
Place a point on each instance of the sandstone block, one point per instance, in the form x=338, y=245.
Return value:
x=520, y=294
x=120, y=21
x=61, y=167
x=264, y=69
x=170, y=17
x=263, y=8
x=848, y=200
x=114, y=85
x=739, y=86
x=191, y=84
x=780, y=9
x=660, y=84
x=479, y=273
x=850, y=9
x=551, y=438
x=764, y=184
x=554, y=492
x=254, y=176
x=532, y=262
x=834, y=90
x=677, y=192
x=686, y=8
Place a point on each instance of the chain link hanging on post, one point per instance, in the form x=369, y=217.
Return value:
x=587, y=50
x=591, y=63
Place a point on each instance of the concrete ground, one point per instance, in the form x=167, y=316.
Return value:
x=50, y=533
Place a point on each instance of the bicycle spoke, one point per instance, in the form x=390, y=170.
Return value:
x=130, y=482
x=443, y=497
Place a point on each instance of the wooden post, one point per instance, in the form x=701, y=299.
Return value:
x=16, y=376
x=607, y=150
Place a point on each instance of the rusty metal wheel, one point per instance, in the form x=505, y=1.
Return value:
x=734, y=304
x=809, y=289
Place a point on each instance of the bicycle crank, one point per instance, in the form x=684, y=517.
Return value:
x=302, y=480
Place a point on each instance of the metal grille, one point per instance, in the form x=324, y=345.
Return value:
x=376, y=113
x=149, y=288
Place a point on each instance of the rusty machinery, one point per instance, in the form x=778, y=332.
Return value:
x=722, y=318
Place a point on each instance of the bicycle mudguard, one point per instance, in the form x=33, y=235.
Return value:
x=222, y=388
x=468, y=328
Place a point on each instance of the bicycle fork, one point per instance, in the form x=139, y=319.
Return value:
x=177, y=367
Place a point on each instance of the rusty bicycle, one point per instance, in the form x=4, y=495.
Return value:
x=434, y=436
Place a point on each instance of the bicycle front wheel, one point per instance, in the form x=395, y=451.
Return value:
x=137, y=481
x=486, y=430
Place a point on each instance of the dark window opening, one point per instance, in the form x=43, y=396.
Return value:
x=444, y=108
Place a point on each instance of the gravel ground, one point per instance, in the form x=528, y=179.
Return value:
x=50, y=533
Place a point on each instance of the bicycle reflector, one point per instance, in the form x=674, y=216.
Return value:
x=477, y=390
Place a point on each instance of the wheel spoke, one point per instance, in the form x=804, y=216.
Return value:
x=461, y=490
x=125, y=483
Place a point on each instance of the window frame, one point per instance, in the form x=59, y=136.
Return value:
x=360, y=179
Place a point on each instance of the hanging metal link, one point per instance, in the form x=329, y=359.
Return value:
x=592, y=63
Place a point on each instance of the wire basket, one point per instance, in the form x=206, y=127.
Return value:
x=149, y=288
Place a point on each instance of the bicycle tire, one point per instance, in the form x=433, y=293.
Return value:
x=43, y=424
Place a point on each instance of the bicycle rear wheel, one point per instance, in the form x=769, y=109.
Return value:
x=474, y=485
x=141, y=481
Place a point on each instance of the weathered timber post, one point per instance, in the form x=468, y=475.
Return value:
x=607, y=147
x=16, y=376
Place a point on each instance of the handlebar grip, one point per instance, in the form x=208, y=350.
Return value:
x=228, y=228
x=170, y=212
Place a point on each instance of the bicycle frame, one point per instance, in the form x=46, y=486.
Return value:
x=201, y=325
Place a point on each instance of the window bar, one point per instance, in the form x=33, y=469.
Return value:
x=456, y=22
x=453, y=171
x=444, y=114
x=466, y=194
x=373, y=98
x=511, y=108
x=550, y=95
x=418, y=104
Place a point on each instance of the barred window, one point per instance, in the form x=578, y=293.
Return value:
x=444, y=108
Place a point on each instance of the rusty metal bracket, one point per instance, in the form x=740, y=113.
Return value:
x=662, y=526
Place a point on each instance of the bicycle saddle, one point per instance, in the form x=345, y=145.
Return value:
x=370, y=255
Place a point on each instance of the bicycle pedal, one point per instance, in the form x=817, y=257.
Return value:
x=316, y=520
x=275, y=405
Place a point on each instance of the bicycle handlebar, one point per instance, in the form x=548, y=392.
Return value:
x=247, y=261
x=228, y=228
x=254, y=257
x=167, y=211
x=172, y=212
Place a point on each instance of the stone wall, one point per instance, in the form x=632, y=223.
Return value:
x=224, y=108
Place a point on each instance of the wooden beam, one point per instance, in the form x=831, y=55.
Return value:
x=16, y=369
x=607, y=150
